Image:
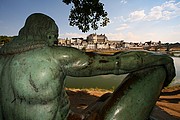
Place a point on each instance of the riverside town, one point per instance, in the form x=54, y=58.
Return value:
x=95, y=42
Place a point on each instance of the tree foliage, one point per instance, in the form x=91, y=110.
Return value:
x=5, y=39
x=87, y=14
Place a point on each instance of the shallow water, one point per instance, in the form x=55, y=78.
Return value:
x=177, y=67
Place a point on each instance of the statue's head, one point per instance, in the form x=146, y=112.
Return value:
x=39, y=30
x=40, y=27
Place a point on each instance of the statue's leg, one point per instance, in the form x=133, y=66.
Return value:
x=135, y=98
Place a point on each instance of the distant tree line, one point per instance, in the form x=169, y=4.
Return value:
x=5, y=39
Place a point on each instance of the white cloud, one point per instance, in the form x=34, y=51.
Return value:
x=166, y=11
x=154, y=14
x=123, y=1
x=122, y=27
x=128, y=37
x=72, y=35
x=120, y=19
x=176, y=29
x=133, y=37
x=151, y=34
x=176, y=33
x=136, y=15
x=115, y=36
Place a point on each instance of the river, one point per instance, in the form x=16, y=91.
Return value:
x=111, y=81
x=176, y=80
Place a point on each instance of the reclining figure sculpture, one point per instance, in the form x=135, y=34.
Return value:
x=32, y=74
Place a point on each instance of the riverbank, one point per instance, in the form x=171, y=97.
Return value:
x=169, y=100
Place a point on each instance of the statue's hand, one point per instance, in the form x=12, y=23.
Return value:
x=136, y=60
x=170, y=71
x=168, y=63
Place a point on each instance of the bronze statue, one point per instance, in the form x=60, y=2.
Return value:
x=32, y=74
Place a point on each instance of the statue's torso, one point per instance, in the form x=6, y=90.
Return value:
x=32, y=86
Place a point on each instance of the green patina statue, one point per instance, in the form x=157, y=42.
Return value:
x=32, y=74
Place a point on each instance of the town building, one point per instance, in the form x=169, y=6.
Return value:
x=97, y=38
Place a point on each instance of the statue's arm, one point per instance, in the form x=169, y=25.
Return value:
x=78, y=63
x=91, y=64
x=81, y=64
x=136, y=60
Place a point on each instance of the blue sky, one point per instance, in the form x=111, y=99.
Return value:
x=130, y=20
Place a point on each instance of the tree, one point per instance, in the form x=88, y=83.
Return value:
x=5, y=39
x=86, y=14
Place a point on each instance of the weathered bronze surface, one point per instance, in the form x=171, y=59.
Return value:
x=32, y=74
